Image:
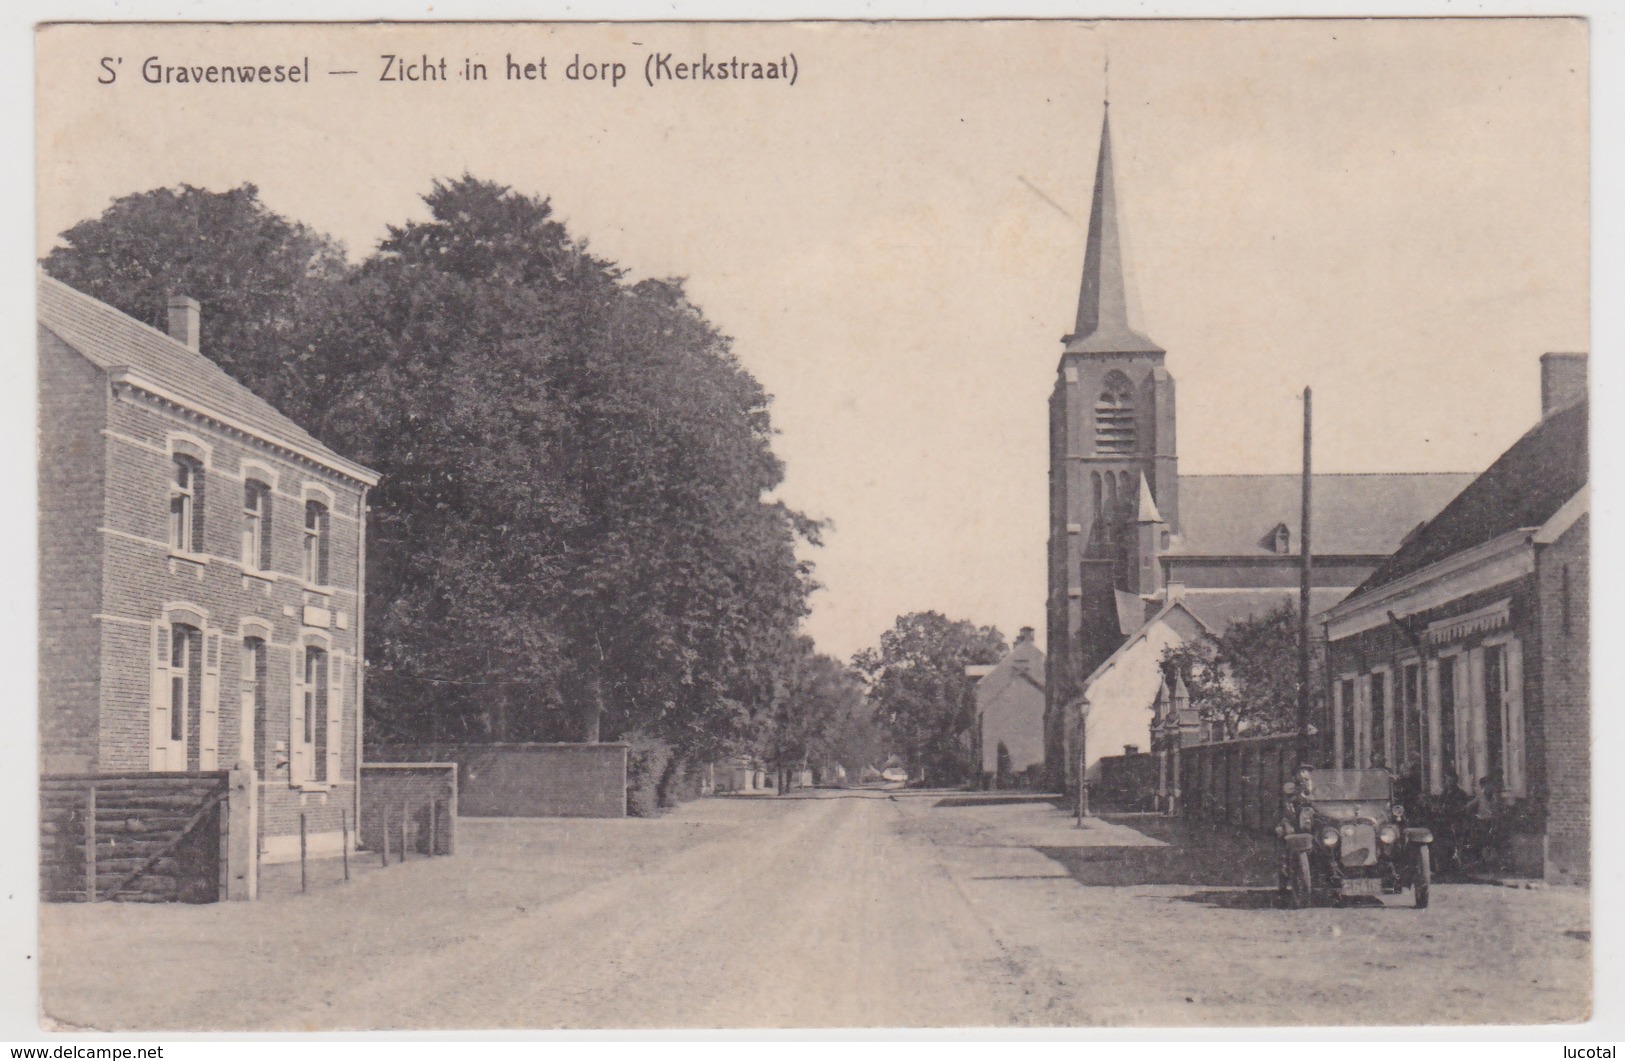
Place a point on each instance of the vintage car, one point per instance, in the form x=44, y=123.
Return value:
x=1343, y=833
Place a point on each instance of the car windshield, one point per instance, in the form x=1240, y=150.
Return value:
x=1349, y=784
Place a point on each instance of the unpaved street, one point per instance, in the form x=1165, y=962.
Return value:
x=841, y=909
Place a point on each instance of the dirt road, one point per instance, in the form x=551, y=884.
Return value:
x=846, y=911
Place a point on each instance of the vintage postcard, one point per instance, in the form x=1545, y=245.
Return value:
x=991, y=524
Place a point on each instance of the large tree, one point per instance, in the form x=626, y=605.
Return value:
x=258, y=274
x=917, y=684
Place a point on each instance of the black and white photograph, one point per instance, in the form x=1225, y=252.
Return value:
x=986, y=524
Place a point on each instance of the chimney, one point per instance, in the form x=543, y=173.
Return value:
x=1562, y=382
x=1026, y=634
x=185, y=320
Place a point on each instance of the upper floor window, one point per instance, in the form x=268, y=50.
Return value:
x=186, y=504
x=316, y=535
x=1114, y=416
x=256, y=526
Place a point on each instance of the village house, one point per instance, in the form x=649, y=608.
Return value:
x=1465, y=657
x=201, y=575
x=1009, y=727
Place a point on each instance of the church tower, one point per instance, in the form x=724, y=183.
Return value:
x=1114, y=478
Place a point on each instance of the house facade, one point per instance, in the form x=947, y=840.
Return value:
x=1466, y=657
x=1009, y=730
x=201, y=574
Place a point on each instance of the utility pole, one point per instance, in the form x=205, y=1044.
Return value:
x=1306, y=580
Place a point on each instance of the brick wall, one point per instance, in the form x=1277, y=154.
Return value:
x=423, y=795
x=527, y=780
x=1563, y=574
x=73, y=399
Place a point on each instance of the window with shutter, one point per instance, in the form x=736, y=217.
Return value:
x=208, y=756
x=298, y=747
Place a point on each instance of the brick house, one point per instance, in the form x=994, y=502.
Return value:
x=201, y=573
x=1467, y=652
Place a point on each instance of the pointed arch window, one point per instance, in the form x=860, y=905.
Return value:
x=1114, y=416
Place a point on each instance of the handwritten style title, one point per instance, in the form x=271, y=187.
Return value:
x=425, y=69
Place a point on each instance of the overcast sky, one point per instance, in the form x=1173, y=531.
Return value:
x=1392, y=212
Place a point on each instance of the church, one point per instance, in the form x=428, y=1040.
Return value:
x=1141, y=557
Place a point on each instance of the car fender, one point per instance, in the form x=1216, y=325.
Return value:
x=1419, y=836
x=1299, y=842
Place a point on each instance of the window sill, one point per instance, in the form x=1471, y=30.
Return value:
x=311, y=786
x=190, y=558
x=260, y=575
x=311, y=587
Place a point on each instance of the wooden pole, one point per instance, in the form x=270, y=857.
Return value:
x=383, y=811
x=1306, y=580
x=90, y=845
x=344, y=827
x=302, y=881
x=434, y=818
x=406, y=815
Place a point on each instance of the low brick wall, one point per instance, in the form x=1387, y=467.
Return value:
x=527, y=780
x=410, y=807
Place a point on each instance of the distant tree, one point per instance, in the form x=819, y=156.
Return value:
x=256, y=273
x=916, y=681
x=814, y=699
x=1247, y=677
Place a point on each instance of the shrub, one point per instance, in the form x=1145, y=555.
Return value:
x=646, y=761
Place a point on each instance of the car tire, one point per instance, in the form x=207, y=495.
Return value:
x=1302, y=883
x=1424, y=876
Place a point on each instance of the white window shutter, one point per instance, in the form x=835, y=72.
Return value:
x=298, y=750
x=335, y=717
x=208, y=736
x=159, y=659
x=1513, y=654
x=1430, y=725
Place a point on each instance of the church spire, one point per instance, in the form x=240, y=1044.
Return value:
x=1103, y=326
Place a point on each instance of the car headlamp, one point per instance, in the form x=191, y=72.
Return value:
x=1388, y=834
x=1399, y=813
x=1328, y=836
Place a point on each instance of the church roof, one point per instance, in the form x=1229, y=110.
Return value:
x=1354, y=515
x=1525, y=487
x=1023, y=664
x=1218, y=608
x=113, y=341
x=1102, y=325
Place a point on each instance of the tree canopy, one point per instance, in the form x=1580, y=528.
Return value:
x=916, y=680
x=1247, y=676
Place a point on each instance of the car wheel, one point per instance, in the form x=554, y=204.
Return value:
x=1302, y=883
x=1424, y=876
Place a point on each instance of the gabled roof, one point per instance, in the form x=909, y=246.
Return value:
x=122, y=346
x=1526, y=486
x=1023, y=663
x=1354, y=515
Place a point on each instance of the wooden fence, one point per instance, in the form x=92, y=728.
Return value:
x=142, y=837
x=1237, y=781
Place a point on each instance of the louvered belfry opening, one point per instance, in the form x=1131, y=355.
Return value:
x=1114, y=416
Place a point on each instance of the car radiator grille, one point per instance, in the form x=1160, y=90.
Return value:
x=1359, y=847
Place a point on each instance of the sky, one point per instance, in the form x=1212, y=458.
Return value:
x=1394, y=213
